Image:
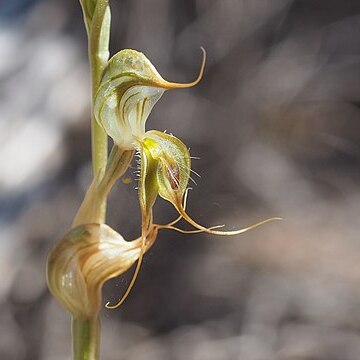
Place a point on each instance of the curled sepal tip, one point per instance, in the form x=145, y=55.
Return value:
x=211, y=230
x=129, y=89
x=151, y=235
x=83, y=260
x=181, y=208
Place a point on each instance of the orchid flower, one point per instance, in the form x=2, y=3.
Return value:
x=129, y=89
x=85, y=258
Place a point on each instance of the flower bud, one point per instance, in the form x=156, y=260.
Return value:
x=97, y=15
x=89, y=8
x=84, y=259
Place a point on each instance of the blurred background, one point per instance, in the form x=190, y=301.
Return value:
x=276, y=124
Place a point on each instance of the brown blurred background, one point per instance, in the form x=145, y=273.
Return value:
x=276, y=124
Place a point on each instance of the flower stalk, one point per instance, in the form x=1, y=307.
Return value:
x=86, y=338
x=97, y=17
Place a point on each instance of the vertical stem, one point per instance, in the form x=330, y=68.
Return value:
x=99, y=35
x=86, y=332
x=86, y=338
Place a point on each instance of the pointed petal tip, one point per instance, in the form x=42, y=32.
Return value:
x=211, y=230
x=173, y=85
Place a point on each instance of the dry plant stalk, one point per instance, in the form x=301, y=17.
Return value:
x=125, y=89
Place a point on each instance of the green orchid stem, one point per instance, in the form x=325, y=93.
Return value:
x=86, y=338
x=99, y=35
x=86, y=333
x=97, y=22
